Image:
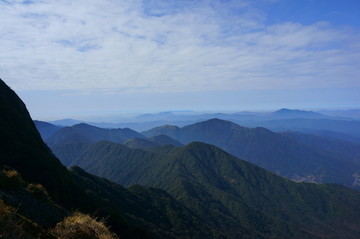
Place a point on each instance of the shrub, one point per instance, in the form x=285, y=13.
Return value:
x=38, y=191
x=82, y=226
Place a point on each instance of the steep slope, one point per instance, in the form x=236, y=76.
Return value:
x=273, y=151
x=23, y=149
x=135, y=213
x=158, y=211
x=221, y=188
x=84, y=133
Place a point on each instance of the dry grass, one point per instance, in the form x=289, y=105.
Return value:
x=38, y=191
x=9, y=227
x=10, y=178
x=82, y=226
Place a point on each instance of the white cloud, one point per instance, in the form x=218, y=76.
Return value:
x=198, y=46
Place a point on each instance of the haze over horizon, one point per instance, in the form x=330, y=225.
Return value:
x=75, y=59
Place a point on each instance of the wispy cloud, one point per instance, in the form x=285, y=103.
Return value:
x=169, y=46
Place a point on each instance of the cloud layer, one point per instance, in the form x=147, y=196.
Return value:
x=169, y=46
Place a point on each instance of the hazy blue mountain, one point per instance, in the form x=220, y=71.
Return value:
x=219, y=187
x=347, y=127
x=66, y=122
x=351, y=114
x=210, y=194
x=137, y=212
x=46, y=129
x=276, y=152
x=291, y=114
x=258, y=116
x=346, y=150
x=84, y=133
x=182, y=118
x=334, y=135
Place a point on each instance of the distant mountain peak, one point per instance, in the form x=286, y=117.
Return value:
x=294, y=113
x=84, y=125
x=286, y=110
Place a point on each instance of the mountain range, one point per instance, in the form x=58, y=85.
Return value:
x=87, y=134
x=132, y=213
x=191, y=191
x=312, y=159
x=295, y=155
x=219, y=187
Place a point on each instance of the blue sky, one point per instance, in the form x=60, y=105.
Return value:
x=83, y=58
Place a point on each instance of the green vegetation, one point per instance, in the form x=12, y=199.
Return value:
x=139, y=143
x=280, y=153
x=127, y=213
x=194, y=191
x=219, y=187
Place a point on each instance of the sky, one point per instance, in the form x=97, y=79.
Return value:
x=79, y=59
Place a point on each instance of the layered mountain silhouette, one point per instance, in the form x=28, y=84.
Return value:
x=193, y=191
x=219, y=187
x=46, y=129
x=165, y=140
x=88, y=134
x=293, y=114
x=159, y=140
x=350, y=128
x=132, y=213
x=282, y=154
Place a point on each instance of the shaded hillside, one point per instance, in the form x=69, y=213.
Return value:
x=273, y=151
x=159, y=140
x=333, y=135
x=221, y=188
x=84, y=133
x=165, y=140
x=158, y=211
x=139, y=143
x=22, y=148
x=346, y=150
x=134, y=213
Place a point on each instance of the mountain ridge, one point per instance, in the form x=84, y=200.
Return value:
x=213, y=183
x=273, y=151
x=23, y=150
